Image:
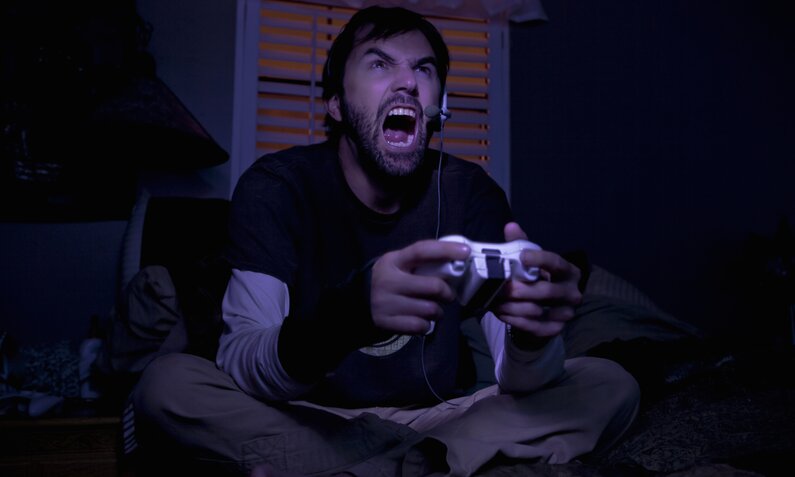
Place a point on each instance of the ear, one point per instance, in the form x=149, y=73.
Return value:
x=333, y=108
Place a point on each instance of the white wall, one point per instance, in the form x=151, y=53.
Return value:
x=193, y=45
x=53, y=277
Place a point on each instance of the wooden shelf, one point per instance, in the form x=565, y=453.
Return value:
x=68, y=446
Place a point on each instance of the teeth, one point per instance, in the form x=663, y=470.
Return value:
x=402, y=112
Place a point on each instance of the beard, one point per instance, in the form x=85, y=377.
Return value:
x=366, y=134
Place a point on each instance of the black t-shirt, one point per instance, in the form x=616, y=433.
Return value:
x=294, y=217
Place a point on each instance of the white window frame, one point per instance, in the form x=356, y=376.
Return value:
x=244, y=135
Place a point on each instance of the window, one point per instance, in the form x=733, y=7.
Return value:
x=292, y=39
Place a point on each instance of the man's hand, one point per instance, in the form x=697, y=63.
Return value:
x=540, y=308
x=405, y=303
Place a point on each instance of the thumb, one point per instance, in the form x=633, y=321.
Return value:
x=514, y=232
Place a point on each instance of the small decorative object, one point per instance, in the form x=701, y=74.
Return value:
x=51, y=369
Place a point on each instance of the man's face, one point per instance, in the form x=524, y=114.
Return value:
x=387, y=85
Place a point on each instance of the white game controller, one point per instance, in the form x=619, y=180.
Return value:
x=477, y=280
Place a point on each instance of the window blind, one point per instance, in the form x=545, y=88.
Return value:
x=293, y=40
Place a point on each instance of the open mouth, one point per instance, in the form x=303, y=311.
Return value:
x=400, y=127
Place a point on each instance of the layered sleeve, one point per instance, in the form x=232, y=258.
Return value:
x=518, y=370
x=254, y=307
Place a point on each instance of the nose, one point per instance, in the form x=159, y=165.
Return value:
x=405, y=80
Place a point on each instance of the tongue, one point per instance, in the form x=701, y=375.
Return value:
x=395, y=135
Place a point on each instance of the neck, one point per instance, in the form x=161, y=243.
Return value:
x=378, y=193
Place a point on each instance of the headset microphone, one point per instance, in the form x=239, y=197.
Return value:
x=432, y=111
x=435, y=112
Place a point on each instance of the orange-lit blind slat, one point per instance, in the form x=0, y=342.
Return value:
x=293, y=41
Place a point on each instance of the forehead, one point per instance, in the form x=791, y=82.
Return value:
x=408, y=45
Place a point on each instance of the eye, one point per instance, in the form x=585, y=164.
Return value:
x=378, y=65
x=428, y=70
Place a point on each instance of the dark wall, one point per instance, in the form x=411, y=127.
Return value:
x=657, y=136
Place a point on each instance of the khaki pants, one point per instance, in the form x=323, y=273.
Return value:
x=184, y=404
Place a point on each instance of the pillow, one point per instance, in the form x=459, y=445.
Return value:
x=186, y=236
x=619, y=322
x=615, y=310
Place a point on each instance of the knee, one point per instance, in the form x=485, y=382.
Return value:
x=615, y=396
x=609, y=382
x=163, y=380
x=618, y=382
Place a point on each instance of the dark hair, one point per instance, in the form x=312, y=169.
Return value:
x=386, y=23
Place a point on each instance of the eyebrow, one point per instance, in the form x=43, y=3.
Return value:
x=379, y=53
x=386, y=57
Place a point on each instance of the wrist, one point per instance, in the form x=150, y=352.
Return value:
x=526, y=341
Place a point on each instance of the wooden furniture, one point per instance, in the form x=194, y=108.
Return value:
x=61, y=446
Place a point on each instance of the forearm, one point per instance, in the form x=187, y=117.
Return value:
x=254, y=308
x=275, y=354
x=339, y=324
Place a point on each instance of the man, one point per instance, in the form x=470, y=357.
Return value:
x=337, y=356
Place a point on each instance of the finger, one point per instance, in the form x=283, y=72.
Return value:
x=526, y=309
x=557, y=267
x=537, y=312
x=427, y=251
x=407, y=324
x=545, y=293
x=421, y=286
x=422, y=327
x=389, y=276
x=561, y=314
x=513, y=231
x=405, y=304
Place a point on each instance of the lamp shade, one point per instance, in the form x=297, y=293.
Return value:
x=83, y=113
x=147, y=126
